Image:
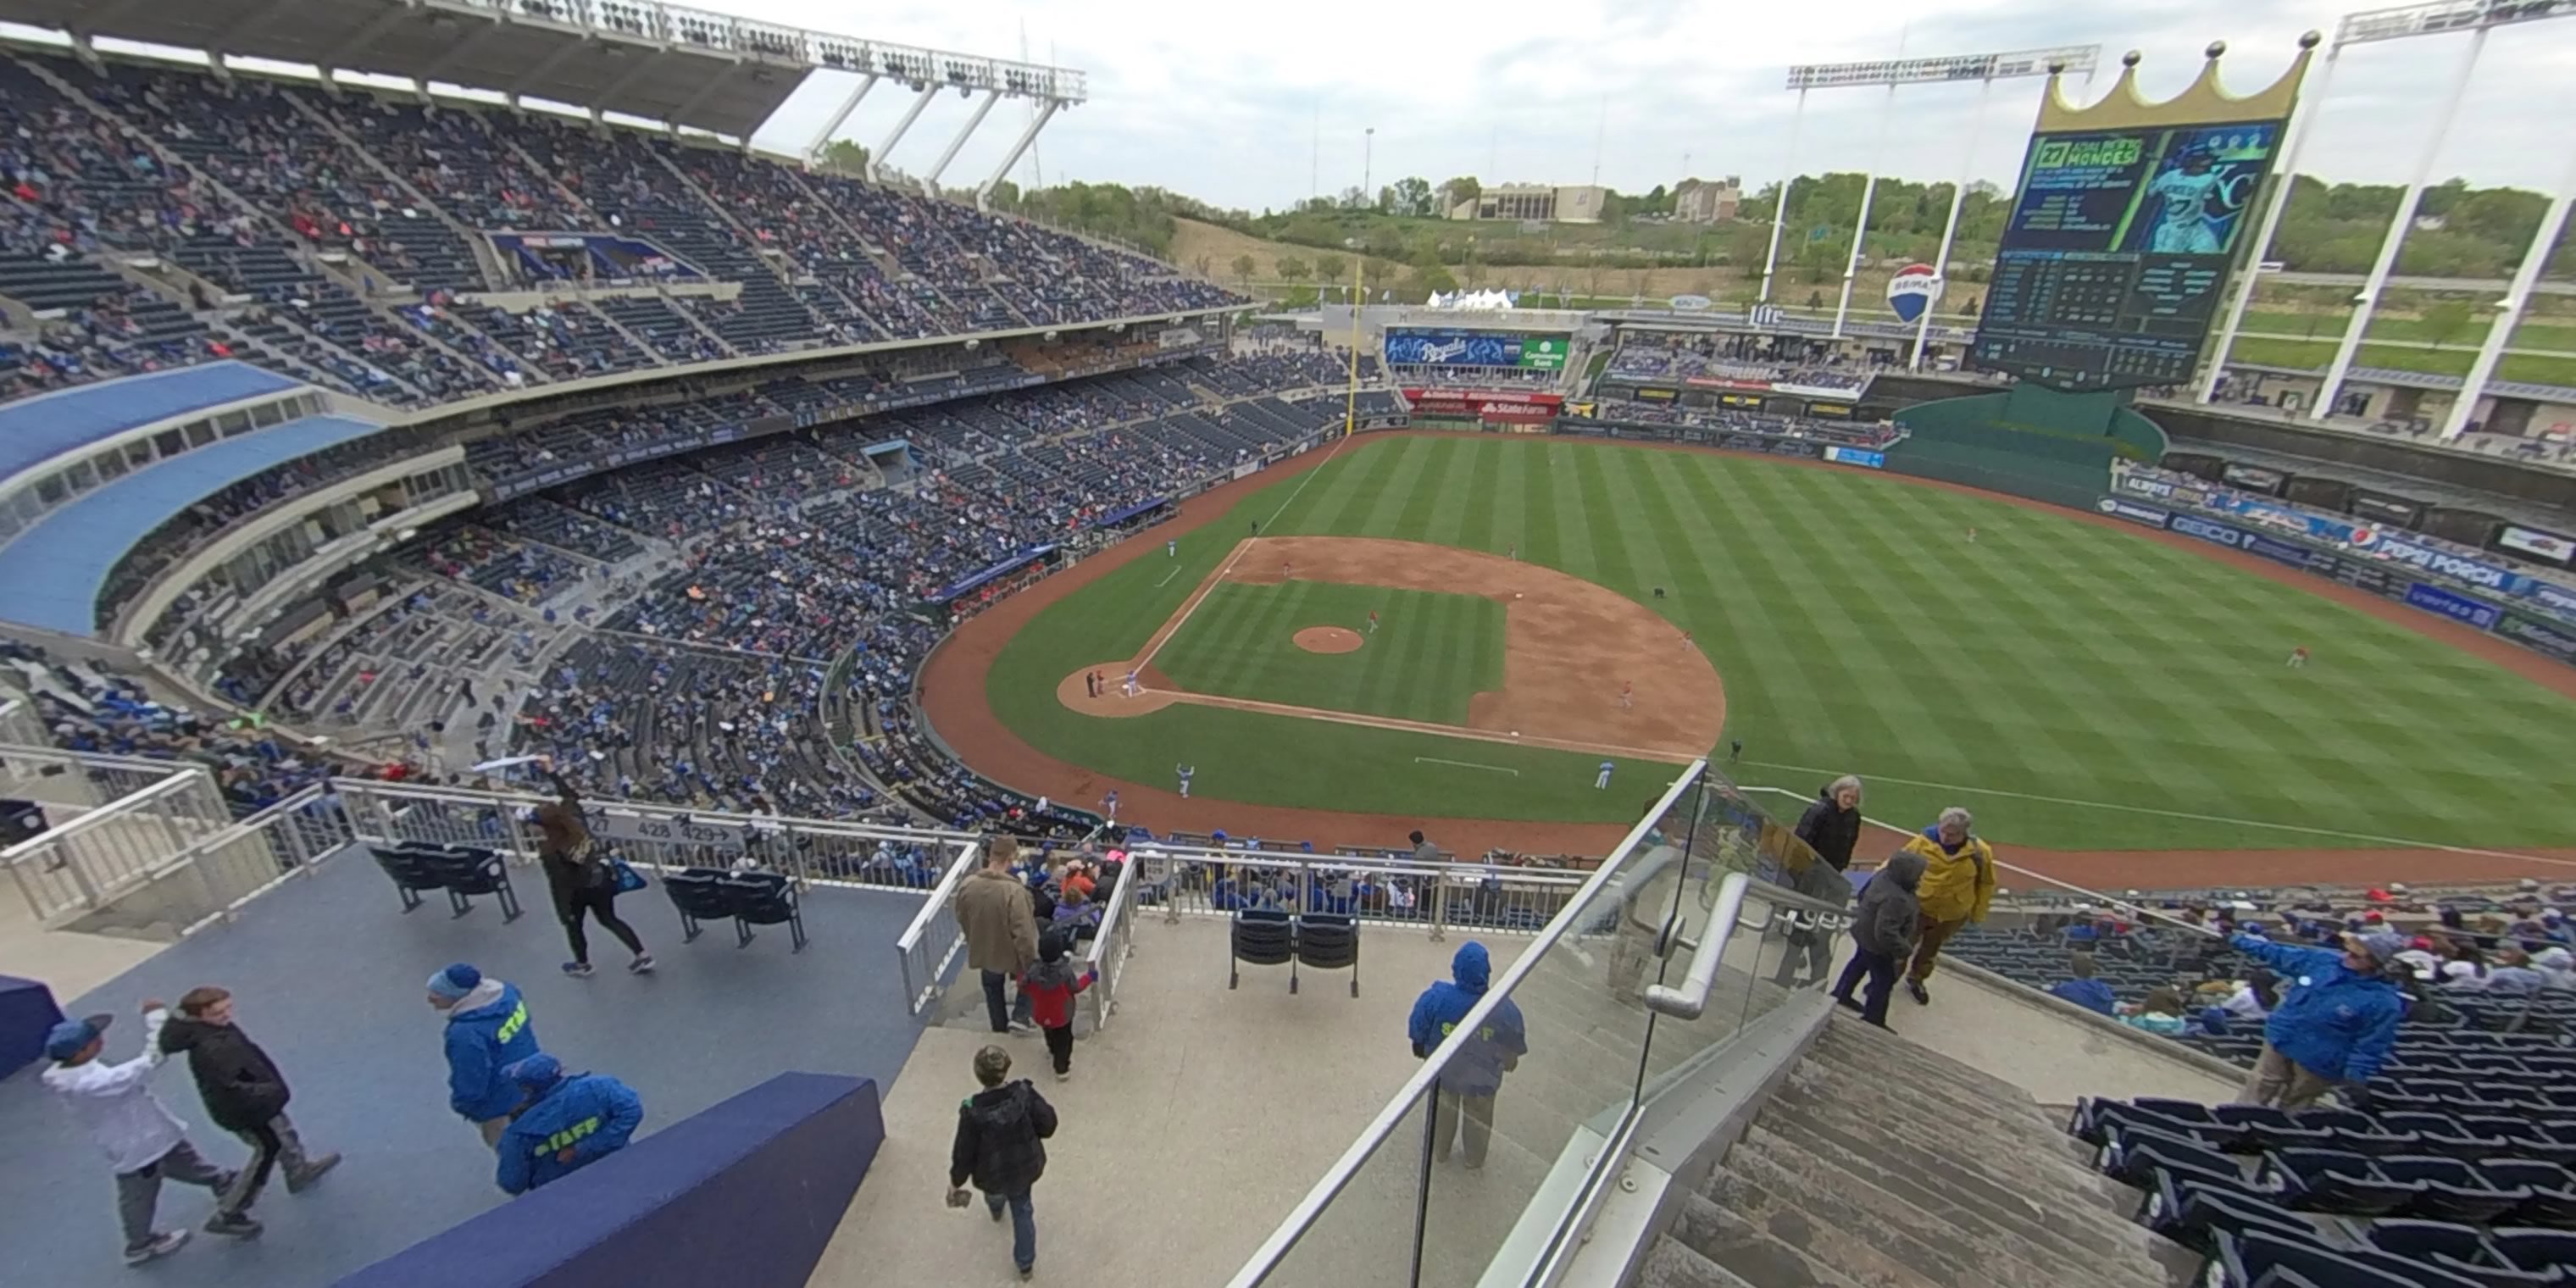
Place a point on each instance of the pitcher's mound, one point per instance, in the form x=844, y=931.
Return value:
x=1328, y=639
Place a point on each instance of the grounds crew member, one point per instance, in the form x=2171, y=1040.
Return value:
x=487, y=1028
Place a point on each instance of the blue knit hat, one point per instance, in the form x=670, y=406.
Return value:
x=538, y=1071
x=454, y=982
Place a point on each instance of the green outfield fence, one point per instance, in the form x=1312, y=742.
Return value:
x=2025, y=441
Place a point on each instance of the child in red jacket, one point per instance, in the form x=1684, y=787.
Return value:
x=1050, y=987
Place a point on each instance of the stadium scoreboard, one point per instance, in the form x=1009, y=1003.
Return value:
x=2116, y=254
x=1456, y=348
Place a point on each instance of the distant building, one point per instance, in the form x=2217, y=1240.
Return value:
x=1707, y=201
x=1544, y=203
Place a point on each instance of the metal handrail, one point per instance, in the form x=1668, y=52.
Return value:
x=2115, y=902
x=103, y=815
x=1686, y=1002
x=968, y=859
x=1302, y=1218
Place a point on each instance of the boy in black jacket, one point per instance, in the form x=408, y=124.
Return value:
x=1001, y=1145
x=244, y=1095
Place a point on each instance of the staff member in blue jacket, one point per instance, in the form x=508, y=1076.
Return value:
x=487, y=1027
x=569, y=1122
x=1475, y=1075
x=2336, y=1024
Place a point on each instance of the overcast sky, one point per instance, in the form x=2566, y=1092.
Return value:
x=1224, y=101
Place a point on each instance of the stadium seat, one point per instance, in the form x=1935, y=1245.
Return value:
x=2460, y=1249
x=763, y=899
x=1260, y=939
x=1327, y=941
x=2241, y=1260
x=461, y=870
x=2317, y=1180
x=698, y=894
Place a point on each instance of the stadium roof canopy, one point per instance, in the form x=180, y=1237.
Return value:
x=36, y=430
x=57, y=567
x=660, y=62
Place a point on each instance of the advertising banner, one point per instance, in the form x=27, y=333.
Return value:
x=1658, y=395
x=2276, y=550
x=2540, y=637
x=2457, y=607
x=1830, y=411
x=1856, y=456
x=2417, y=554
x=2532, y=541
x=1476, y=349
x=1520, y=408
x=2134, y=512
x=2215, y=533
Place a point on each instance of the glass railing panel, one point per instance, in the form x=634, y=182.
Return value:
x=1363, y=1237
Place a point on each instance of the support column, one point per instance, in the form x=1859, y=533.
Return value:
x=2368, y=302
x=876, y=159
x=2301, y=127
x=1780, y=207
x=1046, y=113
x=2509, y=313
x=1860, y=232
x=1950, y=230
x=823, y=137
x=930, y=181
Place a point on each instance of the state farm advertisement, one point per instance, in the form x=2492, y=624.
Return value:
x=1485, y=404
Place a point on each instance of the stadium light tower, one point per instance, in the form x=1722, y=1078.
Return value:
x=1895, y=74
x=2374, y=26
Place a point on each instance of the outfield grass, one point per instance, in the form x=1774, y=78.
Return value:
x=2076, y=686
x=1431, y=653
x=2329, y=327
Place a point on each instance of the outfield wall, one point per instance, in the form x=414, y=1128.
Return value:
x=2514, y=606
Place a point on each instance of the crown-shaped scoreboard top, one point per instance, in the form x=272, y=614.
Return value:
x=2205, y=102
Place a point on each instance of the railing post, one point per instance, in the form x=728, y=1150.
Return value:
x=1439, y=907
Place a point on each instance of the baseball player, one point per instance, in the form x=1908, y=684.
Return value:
x=1132, y=690
x=1185, y=771
x=1602, y=780
x=1172, y=548
x=1735, y=750
x=2298, y=657
x=1627, y=694
x=1287, y=570
x=1972, y=536
x=1109, y=806
x=1514, y=552
x=1372, y=621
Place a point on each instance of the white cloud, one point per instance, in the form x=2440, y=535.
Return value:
x=1226, y=102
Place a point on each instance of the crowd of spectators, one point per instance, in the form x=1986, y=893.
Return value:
x=1649, y=356
x=90, y=709
x=1737, y=421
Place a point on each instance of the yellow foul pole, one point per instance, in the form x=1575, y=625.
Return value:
x=1351, y=404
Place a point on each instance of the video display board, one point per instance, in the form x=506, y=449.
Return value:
x=1476, y=348
x=2115, y=259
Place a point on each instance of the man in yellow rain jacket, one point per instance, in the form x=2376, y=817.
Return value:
x=1958, y=883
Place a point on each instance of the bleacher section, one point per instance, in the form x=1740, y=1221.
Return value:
x=331, y=236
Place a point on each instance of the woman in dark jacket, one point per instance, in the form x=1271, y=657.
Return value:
x=580, y=877
x=1831, y=826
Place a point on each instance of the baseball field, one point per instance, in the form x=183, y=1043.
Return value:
x=2078, y=685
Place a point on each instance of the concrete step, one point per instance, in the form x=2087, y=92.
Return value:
x=1770, y=1255
x=2009, y=1235
x=1671, y=1263
x=1850, y=1042
x=1956, y=1151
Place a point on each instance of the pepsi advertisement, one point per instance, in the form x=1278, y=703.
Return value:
x=2117, y=250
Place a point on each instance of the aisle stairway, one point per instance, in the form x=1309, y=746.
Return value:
x=1878, y=1164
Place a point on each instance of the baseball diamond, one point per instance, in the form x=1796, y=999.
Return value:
x=2082, y=685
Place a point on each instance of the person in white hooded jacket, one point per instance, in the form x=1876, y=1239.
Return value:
x=144, y=1142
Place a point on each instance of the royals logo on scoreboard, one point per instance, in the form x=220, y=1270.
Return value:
x=1913, y=291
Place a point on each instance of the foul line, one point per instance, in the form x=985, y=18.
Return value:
x=1424, y=726
x=1167, y=577
x=1464, y=764
x=1241, y=548
x=2395, y=841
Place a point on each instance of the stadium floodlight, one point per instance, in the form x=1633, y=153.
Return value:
x=2444, y=17
x=1895, y=73
x=2479, y=18
x=1956, y=67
